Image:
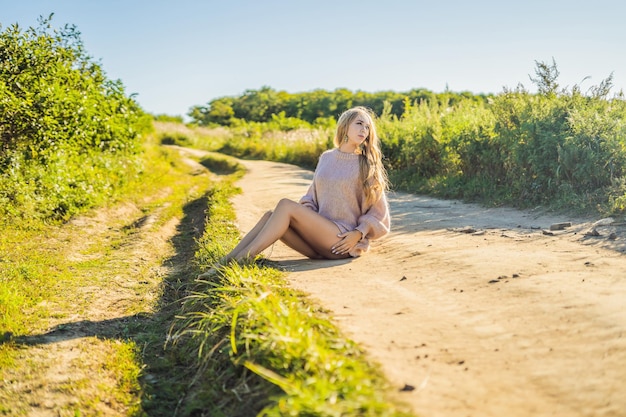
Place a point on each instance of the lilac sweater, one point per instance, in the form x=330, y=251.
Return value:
x=336, y=194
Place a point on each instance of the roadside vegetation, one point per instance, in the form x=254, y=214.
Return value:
x=70, y=140
x=562, y=148
x=98, y=284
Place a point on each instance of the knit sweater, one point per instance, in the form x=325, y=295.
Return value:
x=336, y=193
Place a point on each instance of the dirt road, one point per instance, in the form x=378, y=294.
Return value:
x=483, y=312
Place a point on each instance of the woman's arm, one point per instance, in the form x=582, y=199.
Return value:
x=375, y=222
x=310, y=198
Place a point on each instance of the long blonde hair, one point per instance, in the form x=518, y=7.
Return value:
x=372, y=172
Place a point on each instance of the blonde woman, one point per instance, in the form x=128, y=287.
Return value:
x=344, y=208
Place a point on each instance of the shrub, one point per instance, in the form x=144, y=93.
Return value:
x=67, y=133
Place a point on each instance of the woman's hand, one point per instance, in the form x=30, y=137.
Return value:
x=347, y=242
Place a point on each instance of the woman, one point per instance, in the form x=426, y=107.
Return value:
x=344, y=208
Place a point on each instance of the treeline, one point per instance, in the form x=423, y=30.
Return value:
x=68, y=134
x=313, y=107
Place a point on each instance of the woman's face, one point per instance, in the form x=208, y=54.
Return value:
x=358, y=130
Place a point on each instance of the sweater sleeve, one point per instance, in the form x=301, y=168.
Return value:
x=310, y=198
x=376, y=221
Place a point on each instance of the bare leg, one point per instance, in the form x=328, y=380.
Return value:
x=298, y=227
x=319, y=233
x=295, y=242
x=290, y=238
x=247, y=239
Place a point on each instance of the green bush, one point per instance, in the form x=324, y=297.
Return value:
x=67, y=133
x=67, y=184
x=554, y=144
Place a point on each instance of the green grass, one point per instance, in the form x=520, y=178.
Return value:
x=38, y=261
x=174, y=133
x=52, y=273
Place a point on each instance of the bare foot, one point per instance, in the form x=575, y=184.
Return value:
x=209, y=273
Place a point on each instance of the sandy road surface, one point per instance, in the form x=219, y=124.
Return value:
x=506, y=321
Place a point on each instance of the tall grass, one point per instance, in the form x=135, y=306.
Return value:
x=174, y=133
x=280, y=140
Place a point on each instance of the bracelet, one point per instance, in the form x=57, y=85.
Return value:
x=362, y=234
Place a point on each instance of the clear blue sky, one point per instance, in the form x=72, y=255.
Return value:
x=177, y=54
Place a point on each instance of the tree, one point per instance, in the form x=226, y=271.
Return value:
x=53, y=95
